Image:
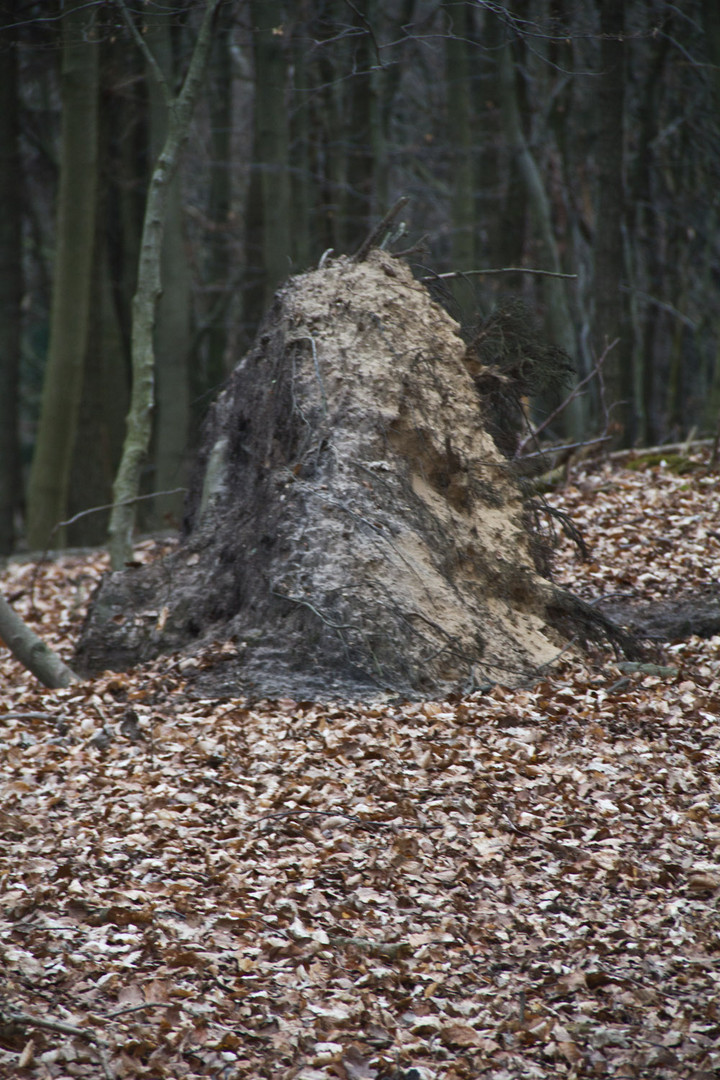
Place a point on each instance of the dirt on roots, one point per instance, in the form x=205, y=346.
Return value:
x=352, y=529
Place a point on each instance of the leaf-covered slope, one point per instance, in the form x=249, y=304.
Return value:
x=521, y=883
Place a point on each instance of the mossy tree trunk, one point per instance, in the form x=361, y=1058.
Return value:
x=33, y=653
x=711, y=27
x=149, y=287
x=70, y=309
x=10, y=282
x=173, y=329
x=105, y=382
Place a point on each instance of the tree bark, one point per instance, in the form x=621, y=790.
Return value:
x=359, y=134
x=711, y=27
x=649, y=325
x=62, y=387
x=33, y=653
x=462, y=210
x=611, y=305
x=219, y=208
x=105, y=383
x=173, y=329
x=139, y=419
x=559, y=318
x=10, y=282
x=271, y=142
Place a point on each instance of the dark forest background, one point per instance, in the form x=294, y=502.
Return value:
x=576, y=137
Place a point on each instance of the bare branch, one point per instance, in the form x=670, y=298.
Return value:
x=152, y=63
x=499, y=270
x=662, y=304
x=23, y=1019
x=378, y=232
x=111, y=506
x=533, y=434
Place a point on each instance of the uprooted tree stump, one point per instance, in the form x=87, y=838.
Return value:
x=352, y=528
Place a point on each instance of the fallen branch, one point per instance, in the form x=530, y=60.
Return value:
x=565, y=447
x=365, y=823
x=393, y=950
x=685, y=446
x=32, y=652
x=29, y=716
x=139, y=1008
x=23, y=1019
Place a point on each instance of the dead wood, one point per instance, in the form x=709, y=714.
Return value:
x=31, y=651
x=352, y=529
x=686, y=614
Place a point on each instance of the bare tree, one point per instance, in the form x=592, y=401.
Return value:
x=149, y=286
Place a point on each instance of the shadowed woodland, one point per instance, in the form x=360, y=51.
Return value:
x=574, y=138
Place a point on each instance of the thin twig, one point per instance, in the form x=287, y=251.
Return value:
x=86, y=513
x=499, y=270
x=145, y=1005
x=363, y=822
x=568, y=446
x=662, y=304
x=111, y=506
x=564, y=404
x=14, y=1016
x=29, y=716
x=377, y=233
x=419, y=246
x=160, y=79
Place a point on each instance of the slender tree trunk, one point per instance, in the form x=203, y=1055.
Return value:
x=491, y=236
x=104, y=402
x=646, y=244
x=460, y=158
x=139, y=420
x=711, y=26
x=10, y=281
x=173, y=316
x=271, y=155
x=328, y=115
x=62, y=387
x=302, y=190
x=105, y=385
x=358, y=134
x=219, y=205
x=611, y=306
x=127, y=120
x=559, y=318
x=459, y=127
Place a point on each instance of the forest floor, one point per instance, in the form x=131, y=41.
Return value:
x=514, y=884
